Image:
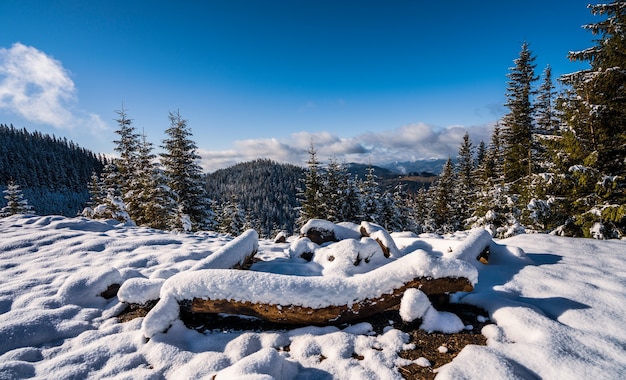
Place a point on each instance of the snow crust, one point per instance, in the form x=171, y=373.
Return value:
x=557, y=304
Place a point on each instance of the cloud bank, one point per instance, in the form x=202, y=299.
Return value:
x=38, y=88
x=407, y=143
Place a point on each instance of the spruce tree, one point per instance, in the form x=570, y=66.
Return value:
x=517, y=125
x=594, y=110
x=443, y=200
x=464, y=188
x=351, y=205
x=16, y=203
x=371, y=198
x=184, y=178
x=311, y=196
x=332, y=191
x=154, y=202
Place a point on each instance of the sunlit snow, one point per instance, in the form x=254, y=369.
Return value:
x=557, y=306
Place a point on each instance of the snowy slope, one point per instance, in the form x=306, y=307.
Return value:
x=558, y=305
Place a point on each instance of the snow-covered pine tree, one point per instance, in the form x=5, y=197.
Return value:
x=311, y=196
x=541, y=193
x=371, y=206
x=351, y=205
x=332, y=191
x=184, y=178
x=517, y=125
x=16, y=203
x=443, y=200
x=465, y=189
x=152, y=196
x=111, y=205
x=231, y=218
x=594, y=109
x=96, y=191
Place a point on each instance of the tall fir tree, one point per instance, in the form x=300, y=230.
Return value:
x=333, y=191
x=594, y=144
x=184, y=178
x=153, y=198
x=464, y=189
x=371, y=197
x=311, y=196
x=443, y=200
x=517, y=125
x=16, y=203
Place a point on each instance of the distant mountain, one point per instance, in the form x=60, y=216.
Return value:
x=360, y=170
x=268, y=190
x=265, y=189
x=433, y=166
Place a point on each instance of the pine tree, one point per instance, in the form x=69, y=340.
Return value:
x=371, y=197
x=517, y=125
x=443, y=200
x=184, y=178
x=154, y=203
x=332, y=191
x=311, y=196
x=127, y=147
x=96, y=191
x=351, y=205
x=464, y=188
x=231, y=218
x=16, y=203
x=594, y=110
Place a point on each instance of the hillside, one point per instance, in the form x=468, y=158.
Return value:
x=554, y=311
x=52, y=172
x=268, y=191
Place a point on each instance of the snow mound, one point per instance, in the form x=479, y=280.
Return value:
x=414, y=305
x=85, y=287
x=140, y=290
x=349, y=257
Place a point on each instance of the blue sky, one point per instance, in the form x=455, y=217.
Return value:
x=366, y=81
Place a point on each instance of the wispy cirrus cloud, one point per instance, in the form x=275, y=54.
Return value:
x=407, y=143
x=39, y=89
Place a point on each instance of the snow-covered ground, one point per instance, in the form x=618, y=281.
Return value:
x=558, y=307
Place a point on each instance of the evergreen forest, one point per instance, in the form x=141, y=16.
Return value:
x=51, y=172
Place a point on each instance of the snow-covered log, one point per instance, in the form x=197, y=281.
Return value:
x=236, y=254
x=315, y=299
x=474, y=247
x=383, y=238
x=291, y=314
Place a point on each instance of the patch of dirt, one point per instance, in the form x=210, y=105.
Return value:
x=426, y=345
x=133, y=311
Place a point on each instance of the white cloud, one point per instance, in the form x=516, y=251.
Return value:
x=38, y=88
x=407, y=143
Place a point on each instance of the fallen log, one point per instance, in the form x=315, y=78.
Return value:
x=307, y=300
x=301, y=315
x=236, y=254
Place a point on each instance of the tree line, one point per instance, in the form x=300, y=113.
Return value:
x=167, y=193
x=556, y=162
x=51, y=172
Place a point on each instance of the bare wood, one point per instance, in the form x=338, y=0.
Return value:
x=290, y=314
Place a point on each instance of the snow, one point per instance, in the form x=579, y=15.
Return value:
x=557, y=305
